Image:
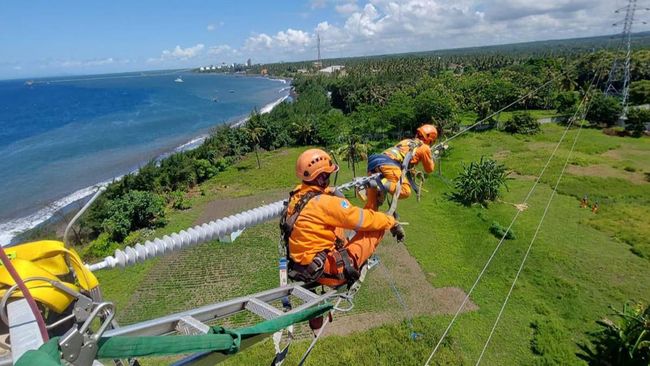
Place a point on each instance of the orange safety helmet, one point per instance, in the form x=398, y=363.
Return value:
x=312, y=163
x=427, y=133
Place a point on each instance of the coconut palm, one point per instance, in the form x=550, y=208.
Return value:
x=353, y=151
x=254, y=134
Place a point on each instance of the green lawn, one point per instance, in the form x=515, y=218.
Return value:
x=580, y=264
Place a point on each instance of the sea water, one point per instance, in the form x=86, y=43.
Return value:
x=61, y=137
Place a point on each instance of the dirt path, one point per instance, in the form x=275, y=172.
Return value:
x=420, y=296
x=229, y=206
x=189, y=278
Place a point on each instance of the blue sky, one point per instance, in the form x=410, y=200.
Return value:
x=41, y=38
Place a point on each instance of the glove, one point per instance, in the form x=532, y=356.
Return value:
x=398, y=233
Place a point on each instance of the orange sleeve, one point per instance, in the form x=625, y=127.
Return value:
x=423, y=154
x=339, y=212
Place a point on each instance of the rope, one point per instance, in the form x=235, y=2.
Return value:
x=523, y=262
x=320, y=332
x=515, y=217
x=398, y=295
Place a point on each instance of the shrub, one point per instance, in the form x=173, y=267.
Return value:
x=135, y=210
x=636, y=120
x=204, y=169
x=178, y=201
x=480, y=182
x=567, y=102
x=604, y=109
x=522, y=123
x=499, y=231
x=626, y=342
x=99, y=248
x=640, y=92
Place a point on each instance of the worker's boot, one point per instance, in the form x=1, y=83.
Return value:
x=398, y=233
x=316, y=323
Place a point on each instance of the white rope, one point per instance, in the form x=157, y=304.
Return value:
x=496, y=249
x=541, y=221
x=320, y=331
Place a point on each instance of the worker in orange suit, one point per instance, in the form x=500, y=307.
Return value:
x=314, y=223
x=390, y=163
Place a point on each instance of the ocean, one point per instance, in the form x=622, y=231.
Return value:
x=61, y=137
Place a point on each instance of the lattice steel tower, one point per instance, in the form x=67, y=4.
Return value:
x=614, y=79
x=318, y=46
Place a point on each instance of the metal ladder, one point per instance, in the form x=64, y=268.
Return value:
x=193, y=321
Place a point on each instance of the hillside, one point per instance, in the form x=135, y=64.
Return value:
x=580, y=264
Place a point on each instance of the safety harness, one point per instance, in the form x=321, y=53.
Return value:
x=396, y=157
x=315, y=270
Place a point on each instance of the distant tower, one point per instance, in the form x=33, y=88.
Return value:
x=614, y=78
x=249, y=62
x=318, y=62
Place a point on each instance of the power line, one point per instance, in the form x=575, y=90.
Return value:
x=523, y=262
x=515, y=217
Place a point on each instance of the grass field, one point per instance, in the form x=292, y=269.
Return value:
x=580, y=264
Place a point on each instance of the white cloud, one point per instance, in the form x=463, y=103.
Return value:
x=389, y=26
x=290, y=40
x=346, y=8
x=17, y=68
x=210, y=27
x=179, y=53
x=223, y=50
x=259, y=41
x=317, y=4
x=88, y=63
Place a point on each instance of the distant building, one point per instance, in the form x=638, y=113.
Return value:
x=332, y=69
x=302, y=71
x=264, y=72
x=201, y=68
x=249, y=62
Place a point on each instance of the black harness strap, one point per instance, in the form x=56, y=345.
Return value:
x=314, y=270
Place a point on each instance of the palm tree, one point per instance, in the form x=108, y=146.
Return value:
x=254, y=134
x=303, y=129
x=353, y=151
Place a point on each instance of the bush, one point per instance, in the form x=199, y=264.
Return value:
x=135, y=210
x=522, y=123
x=499, y=231
x=567, y=102
x=99, y=248
x=604, y=109
x=204, y=169
x=480, y=182
x=626, y=342
x=178, y=201
x=636, y=120
x=640, y=92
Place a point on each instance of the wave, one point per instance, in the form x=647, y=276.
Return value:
x=266, y=109
x=283, y=81
x=10, y=229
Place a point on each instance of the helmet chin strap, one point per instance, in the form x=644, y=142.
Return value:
x=322, y=181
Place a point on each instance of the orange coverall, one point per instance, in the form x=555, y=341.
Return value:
x=324, y=219
x=393, y=173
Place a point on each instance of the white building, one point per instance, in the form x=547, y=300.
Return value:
x=332, y=69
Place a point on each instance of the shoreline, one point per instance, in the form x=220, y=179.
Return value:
x=13, y=229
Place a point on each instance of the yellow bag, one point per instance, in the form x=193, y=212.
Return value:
x=47, y=258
